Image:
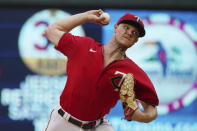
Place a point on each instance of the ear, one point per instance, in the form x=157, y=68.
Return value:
x=115, y=27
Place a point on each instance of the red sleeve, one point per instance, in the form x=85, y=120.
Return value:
x=144, y=88
x=70, y=44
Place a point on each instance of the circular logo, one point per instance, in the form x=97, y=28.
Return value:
x=35, y=49
x=168, y=55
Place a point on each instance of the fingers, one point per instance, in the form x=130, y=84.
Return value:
x=95, y=12
x=129, y=113
x=99, y=12
x=95, y=16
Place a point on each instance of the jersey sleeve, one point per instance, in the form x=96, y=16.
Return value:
x=70, y=44
x=145, y=91
x=144, y=88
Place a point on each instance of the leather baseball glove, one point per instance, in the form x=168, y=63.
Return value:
x=127, y=96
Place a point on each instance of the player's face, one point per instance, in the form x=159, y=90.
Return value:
x=126, y=35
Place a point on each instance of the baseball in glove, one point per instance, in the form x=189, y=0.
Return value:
x=127, y=96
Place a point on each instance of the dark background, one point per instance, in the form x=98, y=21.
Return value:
x=145, y=4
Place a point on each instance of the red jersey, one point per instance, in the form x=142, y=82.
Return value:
x=91, y=90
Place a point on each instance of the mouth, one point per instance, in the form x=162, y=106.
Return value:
x=127, y=37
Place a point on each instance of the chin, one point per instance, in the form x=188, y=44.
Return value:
x=125, y=45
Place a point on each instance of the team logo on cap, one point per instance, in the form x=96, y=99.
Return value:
x=169, y=58
x=137, y=18
x=35, y=49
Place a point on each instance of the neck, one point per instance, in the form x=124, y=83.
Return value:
x=114, y=51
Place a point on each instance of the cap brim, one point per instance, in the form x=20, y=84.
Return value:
x=137, y=25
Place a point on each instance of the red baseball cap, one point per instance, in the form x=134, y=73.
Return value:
x=134, y=21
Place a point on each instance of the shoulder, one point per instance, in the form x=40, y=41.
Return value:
x=136, y=70
x=75, y=37
x=78, y=39
x=131, y=64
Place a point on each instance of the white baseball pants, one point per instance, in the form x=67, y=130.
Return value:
x=58, y=123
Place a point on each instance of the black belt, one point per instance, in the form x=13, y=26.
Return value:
x=78, y=123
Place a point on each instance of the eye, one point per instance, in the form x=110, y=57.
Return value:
x=135, y=33
x=125, y=27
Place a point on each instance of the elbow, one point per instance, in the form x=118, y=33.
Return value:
x=46, y=31
x=49, y=30
x=51, y=34
x=151, y=117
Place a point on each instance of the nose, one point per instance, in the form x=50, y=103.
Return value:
x=130, y=33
